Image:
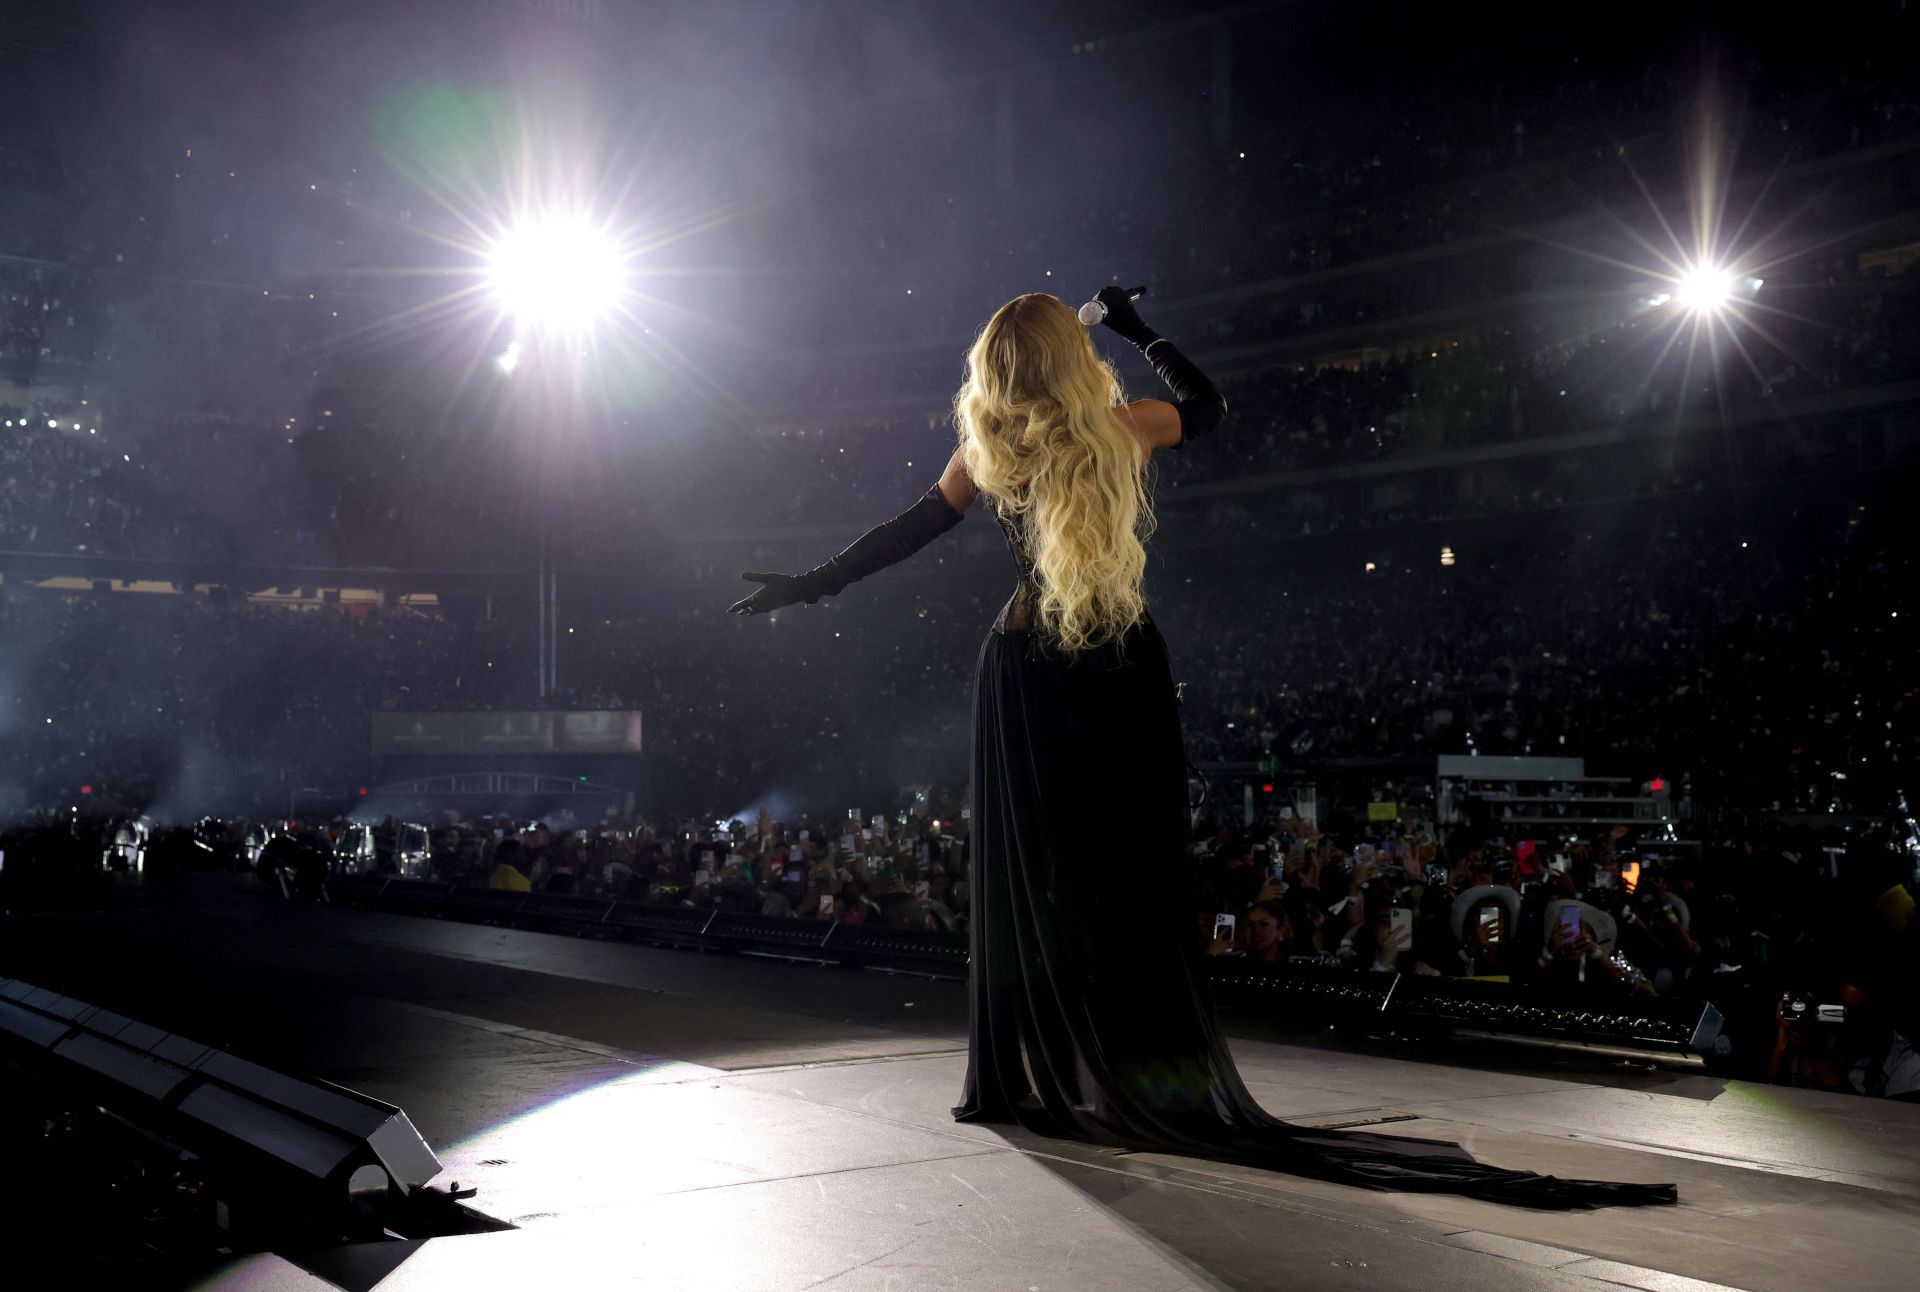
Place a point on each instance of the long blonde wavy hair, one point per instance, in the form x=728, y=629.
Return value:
x=1039, y=437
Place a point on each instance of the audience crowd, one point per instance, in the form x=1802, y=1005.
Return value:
x=1802, y=936
x=1758, y=651
x=1805, y=939
x=178, y=703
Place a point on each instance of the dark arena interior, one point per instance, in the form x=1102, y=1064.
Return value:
x=412, y=876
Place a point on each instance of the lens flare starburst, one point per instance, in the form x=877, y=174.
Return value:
x=1682, y=300
x=1703, y=288
x=561, y=272
x=560, y=258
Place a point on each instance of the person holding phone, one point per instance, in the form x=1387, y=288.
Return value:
x=1087, y=1018
x=1579, y=949
x=1388, y=945
x=1225, y=941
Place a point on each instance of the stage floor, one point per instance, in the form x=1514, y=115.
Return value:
x=661, y=1119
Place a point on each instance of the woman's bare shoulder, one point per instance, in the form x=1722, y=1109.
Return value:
x=956, y=486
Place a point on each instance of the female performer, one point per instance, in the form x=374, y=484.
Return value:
x=1088, y=1020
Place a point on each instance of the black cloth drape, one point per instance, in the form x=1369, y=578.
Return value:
x=1088, y=1019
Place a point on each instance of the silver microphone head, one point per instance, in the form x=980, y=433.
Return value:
x=1093, y=313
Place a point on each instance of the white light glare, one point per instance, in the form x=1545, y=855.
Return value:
x=560, y=272
x=1704, y=289
x=509, y=359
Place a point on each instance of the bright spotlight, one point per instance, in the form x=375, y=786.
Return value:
x=1704, y=288
x=560, y=272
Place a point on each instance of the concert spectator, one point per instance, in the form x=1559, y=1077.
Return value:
x=1230, y=879
x=1269, y=932
x=1485, y=920
x=507, y=873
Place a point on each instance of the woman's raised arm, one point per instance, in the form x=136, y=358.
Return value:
x=1154, y=421
x=1197, y=406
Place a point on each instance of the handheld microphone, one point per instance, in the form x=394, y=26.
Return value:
x=1094, y=312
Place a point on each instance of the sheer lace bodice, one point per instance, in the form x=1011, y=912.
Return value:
x=1022, y=610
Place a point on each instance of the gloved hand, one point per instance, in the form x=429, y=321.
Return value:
x=1199, y=403
x=887, y=543
x=1123, y=318
x=777, y=590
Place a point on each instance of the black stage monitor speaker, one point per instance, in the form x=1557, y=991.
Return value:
x=290, y=1157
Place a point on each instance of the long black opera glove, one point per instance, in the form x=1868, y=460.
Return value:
x=887, y=543
x=1197, y=400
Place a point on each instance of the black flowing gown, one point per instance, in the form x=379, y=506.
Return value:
x=1088, y=1020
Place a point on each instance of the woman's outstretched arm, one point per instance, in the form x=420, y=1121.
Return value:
x=888, y=543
